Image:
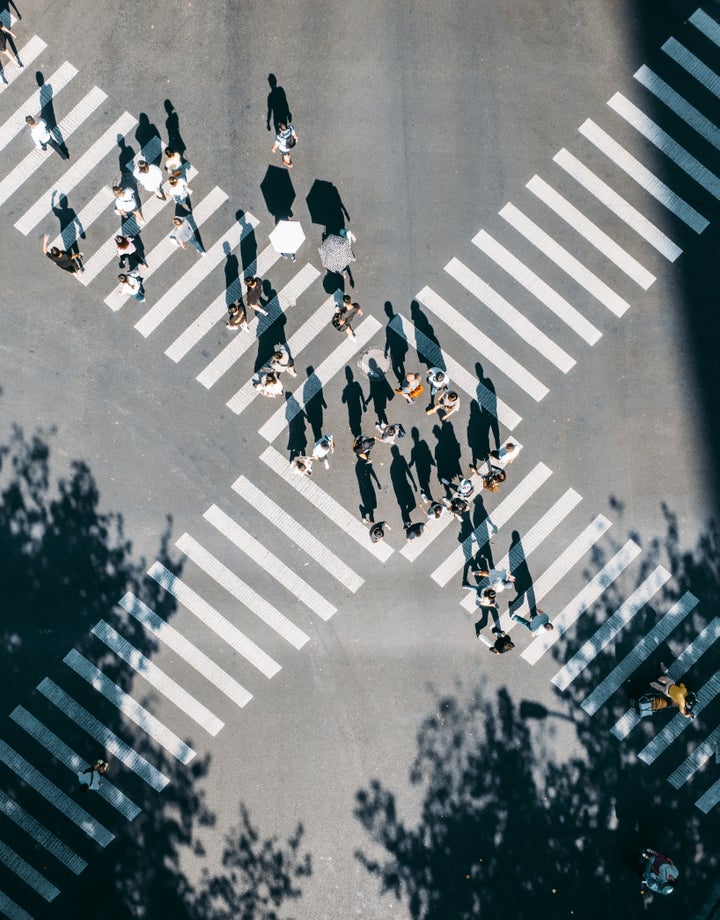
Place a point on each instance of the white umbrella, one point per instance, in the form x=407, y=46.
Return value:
x=287, y=236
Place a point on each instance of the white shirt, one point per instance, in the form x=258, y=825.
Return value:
x=126, y=202
x=40, y=133
x=132, y=285
x=319, y=450
x=150, y=180
x=179, y=189
x=499, y=579
x=130, y=248
x=173, y=163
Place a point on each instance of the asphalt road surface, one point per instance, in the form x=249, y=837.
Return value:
x=533, y=190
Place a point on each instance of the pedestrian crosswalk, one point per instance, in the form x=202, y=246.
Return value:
x=497, y=322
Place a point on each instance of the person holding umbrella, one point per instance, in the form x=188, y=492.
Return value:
x=336, y=252
x=286, y=238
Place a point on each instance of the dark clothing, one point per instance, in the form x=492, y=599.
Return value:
x=363, y=446
x=503, y=644
x=413, y=531
x=65, y=261
x=377, y=532
x=253, y=294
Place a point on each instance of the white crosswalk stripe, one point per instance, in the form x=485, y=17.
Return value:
x=164, y=249
x=325, y=504
x=300, y=535
x=435, y=356
x=693, y=65
x=54, y=796
x=35, y=159
x=103, y=735
x=336, y=360
x=60, y=751
x=709, y=799
x=564, y=260
x=531, y=539
x=41, y=835
x=482, y=344
x=582, y=601
x=33, y=49
x=649, y=643
x=705, y=695
x=589, y=650
x=642, y=175
x=662, y=140
x=537, y=287
x=241, y=591
x=497, y=519
x=676, y=103
x=27, y=873
x=193, y=276
x=158, y=678
x=263, y=263
x=16, y=122
x=185, y=649
x=690, y=655
x=618, y=205
x=93, y=210
x=237, y=347
x=77, y=172
x=12, y=910
x=692, y=763
x=227, y=631
x=522, y=326
x=591, y=232
x=707, y=25
x=282, y=573
x=129, y=707
x=305, y=334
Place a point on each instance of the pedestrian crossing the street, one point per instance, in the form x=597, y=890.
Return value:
x=526, y=353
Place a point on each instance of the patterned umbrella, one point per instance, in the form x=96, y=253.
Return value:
x=287, y=236
x=336, y=253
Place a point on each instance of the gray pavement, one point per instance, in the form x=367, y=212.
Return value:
x=428, y=122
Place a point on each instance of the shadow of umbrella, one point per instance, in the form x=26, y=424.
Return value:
x=278, y=192
x=326, y=207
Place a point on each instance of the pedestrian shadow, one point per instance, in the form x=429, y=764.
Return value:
x=233, y=290
x=148, y=140
x=271, y=328
x=352, y=397
x=278, y=109
x=366, y=476
x=297, y=428
x=380, y=393
x=326, y=207
x=524, y=584
x=424, y=327
x=447, y=451
x=47, y=109
x=248, y=250
x=403, y=483
x=422, y=460
x=172, y=129
x=476, y=553
x=125, y=156
x=487, y=398
x=70, y=226
x=479, y=428
x=278, y=193
x=314, y=405
x=396, y=347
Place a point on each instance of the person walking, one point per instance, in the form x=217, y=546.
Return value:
x=362, y=445
x=268, y=383
x=285, y=140
x=676, y=693
x=180, y=191
x=413, y=531
x=4, y=32
x=456, y=506
x=128, y=256
x=502, y=645
x=64, y=259
x=388, y=433
x=131, y=284
x=447, y=404
x=377, y=531
x=344, y=314
x=493, y=479
x=498, y=579
x=323, y=448
x=90, y=778
x=184, y=233
x=537, y=621
x=237, y=316
x=463, y=489
x=659, y=872
x=150, y=177
x=42, y=138
x=410, y=388
x=126, y=204
x=174, y=164
x=438, y=380
x=281, y=361
x=302, y=465
x=253, y=293
x=436, y=510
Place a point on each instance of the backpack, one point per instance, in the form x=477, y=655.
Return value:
x=338, y=321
